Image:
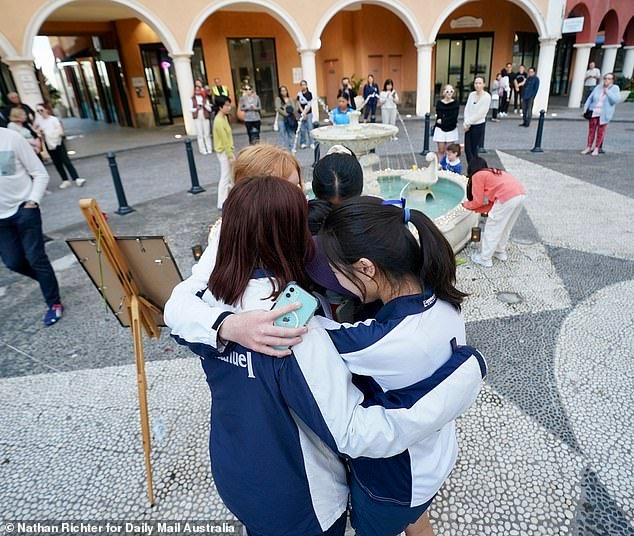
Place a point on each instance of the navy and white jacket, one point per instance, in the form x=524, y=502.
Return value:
x=277, y=425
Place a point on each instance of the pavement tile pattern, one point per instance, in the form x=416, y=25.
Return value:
x=547, y=448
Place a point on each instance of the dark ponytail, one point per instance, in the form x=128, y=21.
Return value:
x=363, y=227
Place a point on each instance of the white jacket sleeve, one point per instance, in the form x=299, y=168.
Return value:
x=188, y=316
x=374, y=431
x=34, y=167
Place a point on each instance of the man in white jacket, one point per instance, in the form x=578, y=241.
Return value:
x=23, y=181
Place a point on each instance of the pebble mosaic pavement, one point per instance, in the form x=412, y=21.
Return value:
x=547, y=448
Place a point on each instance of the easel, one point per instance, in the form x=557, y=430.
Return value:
x=140, y=312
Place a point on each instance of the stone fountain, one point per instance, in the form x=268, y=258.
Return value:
x=437, y=193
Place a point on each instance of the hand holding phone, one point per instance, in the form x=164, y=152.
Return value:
x=295, y=319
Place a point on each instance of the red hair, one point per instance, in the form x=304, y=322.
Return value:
x=264, y=225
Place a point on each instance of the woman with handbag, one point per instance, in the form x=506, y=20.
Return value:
x=250, y=105
x=286, y=108
x=599, y=109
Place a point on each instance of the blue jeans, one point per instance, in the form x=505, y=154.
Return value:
x=304, y=133
x=284, y=135
x=22, y=250
x=370, y=109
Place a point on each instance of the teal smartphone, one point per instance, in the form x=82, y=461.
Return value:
x=295, y=319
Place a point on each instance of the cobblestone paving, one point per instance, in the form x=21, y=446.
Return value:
x=547, y=448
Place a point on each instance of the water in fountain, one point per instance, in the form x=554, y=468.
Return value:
x=409, y=140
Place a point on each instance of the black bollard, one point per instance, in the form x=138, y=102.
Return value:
x=118, y=187
x=540, y=132
x=426, y=135
x=316, y=154
x=193, y=174
x=481, y=149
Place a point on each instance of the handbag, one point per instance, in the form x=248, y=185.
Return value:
x=276, y=126
x=587, y=114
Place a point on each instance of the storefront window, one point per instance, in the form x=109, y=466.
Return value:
x=198, y=63
x=525, y=49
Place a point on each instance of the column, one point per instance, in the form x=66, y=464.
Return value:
x=628, y=61
x=309, y=73
x=26, y=82
x=423, y=78
x=185, y=82
x=582, y=55
x=609, y=57
x=547, y=46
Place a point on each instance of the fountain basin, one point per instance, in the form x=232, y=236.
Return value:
x=359, y=138
x=444, y=206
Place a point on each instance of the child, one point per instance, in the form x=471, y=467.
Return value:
x=451, y=159
x=502, y=196
x=375, y=256
x=341, y=114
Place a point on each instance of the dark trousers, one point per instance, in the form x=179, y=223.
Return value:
x=527, y=110
x=472, y=140
x=22, y=250
x=338, y=528
x=517, y=99
x=370, y=109
x=62, y=162
x=504, y=103
x=253, y=131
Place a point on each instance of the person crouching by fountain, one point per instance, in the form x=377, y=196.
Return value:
x=501, y=195
x=223, y=145
x=341, y=114
x=338, y=176
x=451, y=159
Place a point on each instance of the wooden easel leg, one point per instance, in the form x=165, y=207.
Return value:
x=137, y=335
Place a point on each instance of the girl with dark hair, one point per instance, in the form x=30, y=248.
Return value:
x=475, y=114
x=336, y=177
x=501, y=195
x=375, y=256
x=341, y=114
x=371, y=98
x=286, y=109
x=223, y=146
x=278, y=425
x=389, y=103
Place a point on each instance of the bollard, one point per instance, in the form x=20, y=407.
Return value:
x=426, y=135
x=193, y=174
x=118, y=187
x=540, y=132
x=316, y=154
x=481, y=149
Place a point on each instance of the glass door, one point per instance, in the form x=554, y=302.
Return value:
x=561, y=70
x=161, y=81
x=253, y=62
x=459, y=58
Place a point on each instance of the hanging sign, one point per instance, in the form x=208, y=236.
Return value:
x=572, y=25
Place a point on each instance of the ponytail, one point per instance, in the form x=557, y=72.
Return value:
x=438, y=263
x=364, y=227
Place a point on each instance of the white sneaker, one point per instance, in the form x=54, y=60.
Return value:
x=312, y=145
x=64, y=185
x=303, y=146
x=79, y=182
x=501, y=255
x=475, y=258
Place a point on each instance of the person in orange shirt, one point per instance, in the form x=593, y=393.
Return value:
x=501, y=195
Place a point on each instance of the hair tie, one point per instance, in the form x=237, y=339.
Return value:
x=401, y=202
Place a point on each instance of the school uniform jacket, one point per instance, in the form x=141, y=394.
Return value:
x=279, y=426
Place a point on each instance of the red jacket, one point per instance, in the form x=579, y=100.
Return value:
x=488, y=187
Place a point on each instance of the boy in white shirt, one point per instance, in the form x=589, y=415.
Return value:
x=23, y=181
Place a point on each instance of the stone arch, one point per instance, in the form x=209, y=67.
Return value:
x=628, y=34
x=394, y=6
x=527, y=5
x=277, y=12
x=145, y=14
x=6, y=48
x=586, y=35
x=610, y=24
